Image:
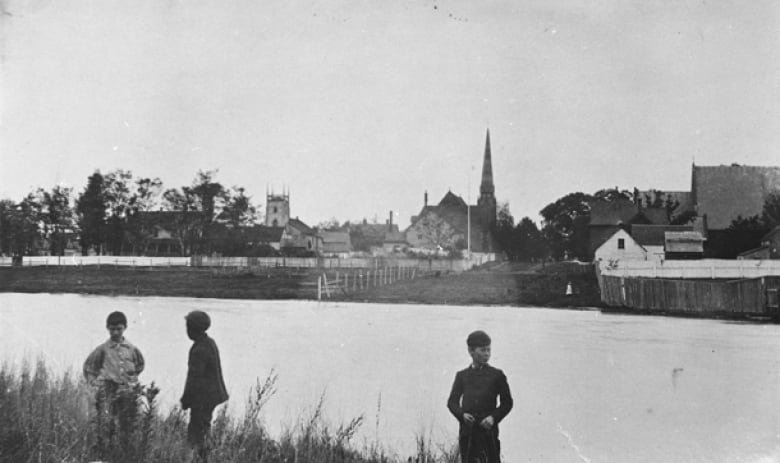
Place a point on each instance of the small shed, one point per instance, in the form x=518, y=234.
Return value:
x=683, y=245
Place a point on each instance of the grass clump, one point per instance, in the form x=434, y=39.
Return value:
x=46, y=418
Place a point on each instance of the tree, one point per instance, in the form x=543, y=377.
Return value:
x=563, y=221
x=744, y=234
x=198, y=206
x=531, y=244
x=91, y=208
x=503, y=230
x=144, y=199
x=19, y=224
x=770, y=214
x=56, y=217
x=238, y=210
x=436, y=231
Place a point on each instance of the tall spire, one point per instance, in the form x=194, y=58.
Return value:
x=486, y=188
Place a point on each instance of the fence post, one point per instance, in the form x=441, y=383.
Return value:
x=325, y=282
x=319, y=288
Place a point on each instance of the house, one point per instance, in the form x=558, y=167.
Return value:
x=453, y=224
x=157, y=236
x=606, y=218
x=620, y=246
x=394, y=242
x=769, y=249
x=335, y=243
x=681, y=245
x=299, y=237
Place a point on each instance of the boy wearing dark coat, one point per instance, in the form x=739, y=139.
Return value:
x=205, y=387
x=473, y=402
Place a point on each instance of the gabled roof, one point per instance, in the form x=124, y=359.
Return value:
x=682, y=197
x=617, y=212
x=653, y=235
x=723, y=193
x=452, y=200
x=300, y=226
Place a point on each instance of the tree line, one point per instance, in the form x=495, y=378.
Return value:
x=116, y=214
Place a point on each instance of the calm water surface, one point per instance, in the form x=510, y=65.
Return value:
x=588, y=387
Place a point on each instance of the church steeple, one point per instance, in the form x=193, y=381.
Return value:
x=486, y=188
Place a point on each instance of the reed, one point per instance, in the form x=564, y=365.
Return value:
x=47, y=418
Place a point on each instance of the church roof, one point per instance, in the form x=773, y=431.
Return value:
x=723, y=193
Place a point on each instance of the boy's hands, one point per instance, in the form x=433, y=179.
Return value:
x=488, y=422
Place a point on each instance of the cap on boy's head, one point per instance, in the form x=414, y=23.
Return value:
x=478, y=339
x=198, y=320
x=116, y=318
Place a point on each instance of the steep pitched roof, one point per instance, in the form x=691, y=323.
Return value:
x=771, y=233
x=725, y=192
x=452, y=200
x=302, y=227
x=617, y=212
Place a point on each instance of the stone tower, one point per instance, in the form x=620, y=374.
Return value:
x=487, y=197
x=277, y=209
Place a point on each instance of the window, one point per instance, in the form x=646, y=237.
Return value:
x=275, y=210
x=276, y=223
x=621, y=243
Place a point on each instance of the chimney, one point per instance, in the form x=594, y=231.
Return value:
x=391, y=218
x=426, y=198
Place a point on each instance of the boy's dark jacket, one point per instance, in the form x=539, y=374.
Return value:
x=205, y=386
x=479, y=388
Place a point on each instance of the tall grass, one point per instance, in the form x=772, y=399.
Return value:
x=46, y=418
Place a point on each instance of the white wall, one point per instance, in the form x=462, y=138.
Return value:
x=609, y=251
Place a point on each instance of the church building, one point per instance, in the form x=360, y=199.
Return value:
x=453, y=224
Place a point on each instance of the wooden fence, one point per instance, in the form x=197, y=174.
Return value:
x=343, y=282
x=704, y=268
x=748, y=297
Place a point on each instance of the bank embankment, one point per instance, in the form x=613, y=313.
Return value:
x=505, y=284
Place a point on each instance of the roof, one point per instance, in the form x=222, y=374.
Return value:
x=298, y=225
x=617, y=212
x=723, y=193
x=263, y=234
x=653, y=235
x=684, y=236
x=452, y=200
x=656, y=215
x=335, y=241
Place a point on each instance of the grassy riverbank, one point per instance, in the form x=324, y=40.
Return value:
x=495, y=284
x=48, y=418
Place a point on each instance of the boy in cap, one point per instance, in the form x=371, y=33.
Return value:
x=205, y=388
x=112, y=369
x=472, y=401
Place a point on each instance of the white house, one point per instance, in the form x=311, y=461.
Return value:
x=620, y=246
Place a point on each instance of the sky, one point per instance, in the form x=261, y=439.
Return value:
x=360, y=107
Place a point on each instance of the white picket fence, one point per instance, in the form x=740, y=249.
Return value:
x=454, y=265
x=691, y=269
x=131, y=261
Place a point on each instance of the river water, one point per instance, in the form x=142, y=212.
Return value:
x=588, y=387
